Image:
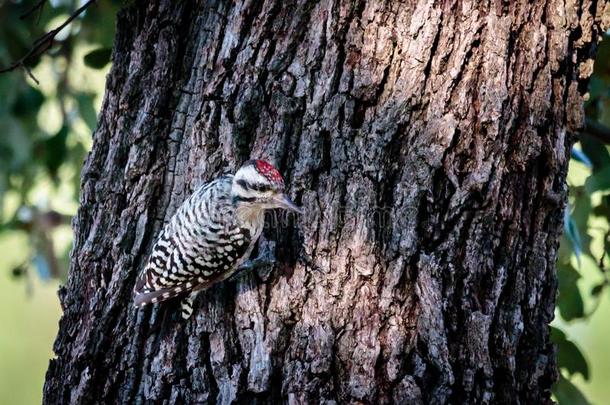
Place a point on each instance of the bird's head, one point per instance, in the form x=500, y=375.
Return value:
x=258, y=185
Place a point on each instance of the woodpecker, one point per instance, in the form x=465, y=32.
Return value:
x=211, y=235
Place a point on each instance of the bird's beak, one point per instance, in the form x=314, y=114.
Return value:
x=282, y=201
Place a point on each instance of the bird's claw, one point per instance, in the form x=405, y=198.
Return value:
x=266, y=259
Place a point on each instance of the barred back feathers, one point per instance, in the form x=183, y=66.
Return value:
x=211, y=234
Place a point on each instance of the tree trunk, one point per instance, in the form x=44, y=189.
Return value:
x=427, y=141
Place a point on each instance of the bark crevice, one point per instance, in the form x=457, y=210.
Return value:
x=428, y=144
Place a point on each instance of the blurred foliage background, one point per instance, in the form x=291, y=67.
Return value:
x=47, y=114
x=45, y=133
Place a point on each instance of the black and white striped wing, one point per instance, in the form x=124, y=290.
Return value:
x=200, y=246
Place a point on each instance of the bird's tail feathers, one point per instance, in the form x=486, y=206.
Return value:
x=143, y=298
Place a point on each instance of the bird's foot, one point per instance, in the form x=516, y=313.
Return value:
x=267, y=259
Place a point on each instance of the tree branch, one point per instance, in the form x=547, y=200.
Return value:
x=45, y=42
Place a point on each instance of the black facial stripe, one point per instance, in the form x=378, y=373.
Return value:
x=260, y=187
x=244, y=184
x=238, y=198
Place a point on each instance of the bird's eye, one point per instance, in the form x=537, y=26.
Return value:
x=261, y=187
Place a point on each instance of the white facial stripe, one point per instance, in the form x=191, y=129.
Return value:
x=249, y=175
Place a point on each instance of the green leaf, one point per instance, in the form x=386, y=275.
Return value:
x=55, y=151
x=600, y=69
x=597, y=88
x=98, y=58
x=28, y=102
x=86, y=109
x=98, y=25
x=569, y=355
x=602, y=210
x=567, y=393
x=15, y=145
x=570, y=301
x=598, y=181
x=595, y=150
x=8, y=93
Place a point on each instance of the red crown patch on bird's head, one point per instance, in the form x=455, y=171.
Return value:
x=266, y=169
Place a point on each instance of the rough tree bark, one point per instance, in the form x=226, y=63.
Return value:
x=428, y=142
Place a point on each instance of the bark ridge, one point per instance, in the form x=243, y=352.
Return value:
x=428, y=142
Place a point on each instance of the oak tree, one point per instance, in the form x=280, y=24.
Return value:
x=428, y=143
